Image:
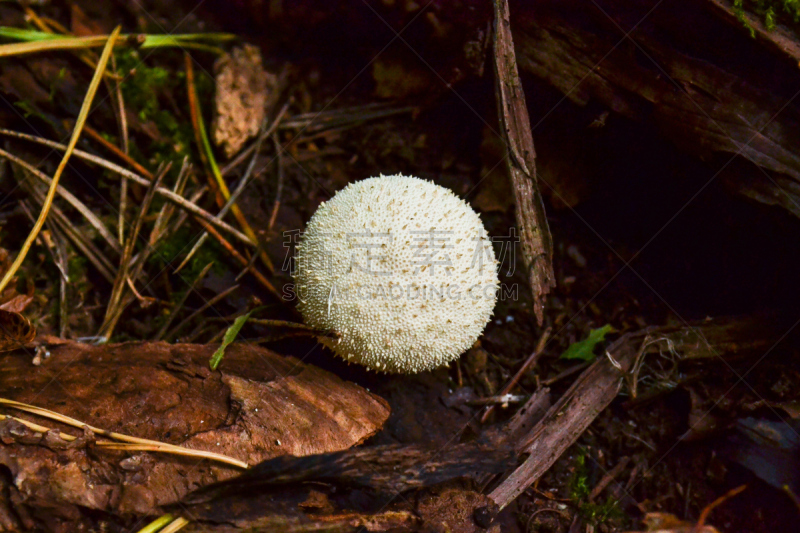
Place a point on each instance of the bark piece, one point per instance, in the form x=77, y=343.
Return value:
x=356, y=486
x=259, y=406
x=243, y=87
x=389, y=469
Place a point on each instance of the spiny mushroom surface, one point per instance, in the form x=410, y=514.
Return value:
x=400, y=270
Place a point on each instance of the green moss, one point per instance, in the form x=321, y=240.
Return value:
x=772, y=12
x=170, y=252
x=579, y=490
x=155, y=95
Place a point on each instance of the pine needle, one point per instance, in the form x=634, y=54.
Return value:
x=127, y=443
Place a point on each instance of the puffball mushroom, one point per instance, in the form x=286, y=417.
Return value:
x=401, y=271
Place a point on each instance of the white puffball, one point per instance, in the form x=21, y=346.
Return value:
x=400, y=270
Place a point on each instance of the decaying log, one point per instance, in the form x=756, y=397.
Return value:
x=290, y=493
x=389, y=469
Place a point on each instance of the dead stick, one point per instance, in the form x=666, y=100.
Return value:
x=537, y=244
x=609, y=477
x=534, y=357
x=564, y=423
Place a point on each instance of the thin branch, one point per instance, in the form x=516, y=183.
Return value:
x=532, y=360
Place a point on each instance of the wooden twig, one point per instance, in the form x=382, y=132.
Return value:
x=716, y=503
x=565, y=421
x=608, y=477
x=283, y=324
x=537, y=244
x=566, y=373
x=527, y=365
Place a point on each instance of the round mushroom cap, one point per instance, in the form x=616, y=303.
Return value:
x=400, y=271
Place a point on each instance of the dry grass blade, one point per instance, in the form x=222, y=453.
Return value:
x=115, y=303
x=279, y=187
x=67, y=43
x=79, y=206
x=81, y=242
x=157, y=524
x=246, y=178
x=76, y=133
x=182, y=301
x=160, y=227
x=316, y=122
x=207, y=155
x=40, y=41
x=176, y=199
x=175, y=525
x=139, y=444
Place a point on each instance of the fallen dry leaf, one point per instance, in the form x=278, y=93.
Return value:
x=259, y=406
x=17, y=304
x=669, y=523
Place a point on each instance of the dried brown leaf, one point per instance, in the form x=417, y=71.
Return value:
x=17, y=304
x=15, y=331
